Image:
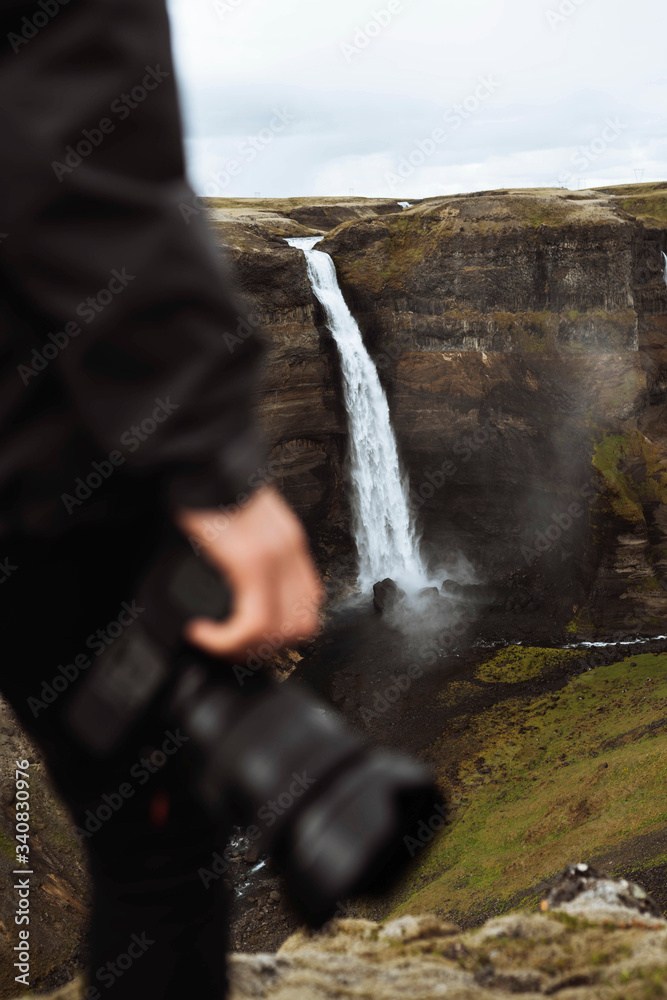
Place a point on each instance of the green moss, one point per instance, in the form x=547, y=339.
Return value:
x=402, y=245
x=607, y=458
x=653, y=981
x=647, y=586
x=536, y=333
x=573, y=923
x=360, y=273
x=655, y=862
x=521, y=663
x=404, y=249
x=647, y=202
x=628, y=391
x=581, y=624
x=457, y=692
x=535, y=211
x=566, y=776
x=651, y=210
x=613, y=456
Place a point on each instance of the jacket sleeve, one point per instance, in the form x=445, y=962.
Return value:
x=105, y=242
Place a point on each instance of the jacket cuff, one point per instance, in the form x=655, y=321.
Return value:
x=232, y=475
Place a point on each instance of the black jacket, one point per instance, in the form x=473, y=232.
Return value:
x=123, y=356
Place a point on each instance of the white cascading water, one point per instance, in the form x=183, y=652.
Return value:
x=664, y=273
x=384, y=528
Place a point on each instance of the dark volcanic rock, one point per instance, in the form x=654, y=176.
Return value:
x=385, y=595
x=522, y=341
x=299, y=399
x=473, y=593
x=325, y=217
x=428, y=593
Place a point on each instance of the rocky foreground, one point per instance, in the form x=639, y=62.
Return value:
x=595, y=938
x=521, y=337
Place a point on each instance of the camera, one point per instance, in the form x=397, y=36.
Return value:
x=346, y=831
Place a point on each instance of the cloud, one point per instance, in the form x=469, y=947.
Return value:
x=357, y=113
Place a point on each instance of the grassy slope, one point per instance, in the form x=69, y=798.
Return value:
x=647, y=202
x=289, y=204
x=549, y=780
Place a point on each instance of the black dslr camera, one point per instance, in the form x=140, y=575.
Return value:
x=345, y=833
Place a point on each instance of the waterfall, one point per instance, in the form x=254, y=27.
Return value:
x=383, y=525
x=664, y=273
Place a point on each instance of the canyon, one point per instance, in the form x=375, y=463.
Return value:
x=520, y=337
x=521, y=340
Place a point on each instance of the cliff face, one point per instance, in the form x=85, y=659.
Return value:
x=300, y=216
x=522, y=341
x=504, y=272
x=299, y=399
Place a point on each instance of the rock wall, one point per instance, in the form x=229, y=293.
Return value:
x=522, y=340
x=299, y=399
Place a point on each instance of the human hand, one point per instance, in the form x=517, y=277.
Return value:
x=264, y=555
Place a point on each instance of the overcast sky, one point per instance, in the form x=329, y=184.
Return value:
x=420, y=97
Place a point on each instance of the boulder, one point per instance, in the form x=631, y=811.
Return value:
x=599, y=952
x=428, y=593
x=581, y=888
x=385, y=594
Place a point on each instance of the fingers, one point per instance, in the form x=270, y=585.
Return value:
x=276, y=607
x=277, y=590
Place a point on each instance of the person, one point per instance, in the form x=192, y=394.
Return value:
x=126, y=377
